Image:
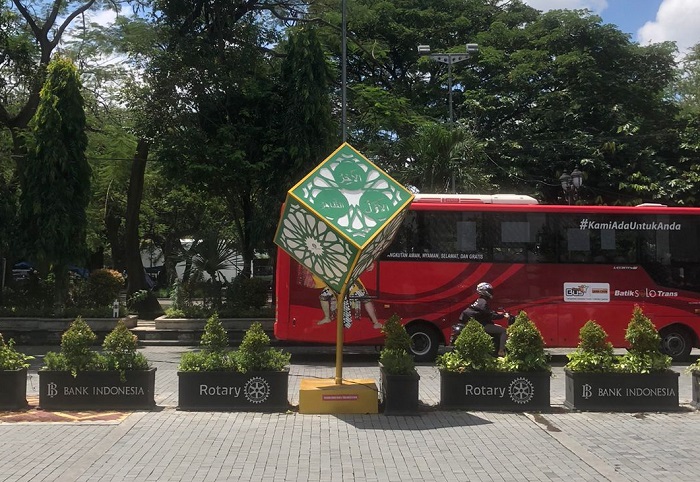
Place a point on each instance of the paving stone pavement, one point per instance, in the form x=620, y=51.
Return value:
x=166, y=444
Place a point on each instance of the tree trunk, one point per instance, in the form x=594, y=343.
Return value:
x=136, y=276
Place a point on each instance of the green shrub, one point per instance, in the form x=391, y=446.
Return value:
x=525, y=347
x=174, y=313
x=203, y=361
x=76, y=350
x=644, y=353
x=215, y=336
x=104, y=286
x=255, y=353
x=120, y=351
x=245, y=292
x=213, y=357
x=594, y=353
x=473, y=351
x=10, y=358
x=395, y=355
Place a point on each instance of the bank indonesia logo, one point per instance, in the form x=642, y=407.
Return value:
x=521, y=390
x=256, y=390
x=587, y=391
x=52, y=390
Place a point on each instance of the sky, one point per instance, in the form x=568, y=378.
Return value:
x=647, y=21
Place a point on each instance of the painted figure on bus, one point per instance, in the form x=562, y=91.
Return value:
x=357, y=296
x=356, y=299
x=481, y=312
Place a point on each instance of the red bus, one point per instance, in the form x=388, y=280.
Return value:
x=563, y=265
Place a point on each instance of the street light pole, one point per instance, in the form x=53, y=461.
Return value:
x=449, y=59
x=571, y=183
x=344, y=70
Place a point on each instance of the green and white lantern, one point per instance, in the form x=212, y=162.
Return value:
x=341, y=216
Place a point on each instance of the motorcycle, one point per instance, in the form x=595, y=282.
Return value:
x=457, y=329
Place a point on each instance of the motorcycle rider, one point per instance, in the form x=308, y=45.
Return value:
x=480, y=311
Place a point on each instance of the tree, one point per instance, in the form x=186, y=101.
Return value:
x=55, y=180
x=233, y=114
x=545, y=92
x=688, y=85
x=27, y=42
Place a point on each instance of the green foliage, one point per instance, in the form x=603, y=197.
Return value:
x=245, y=292
x=213, y=356
x=203, y=361
x=594, y=352
x=255, y=353
x=76, y=350
x=215, y=337
x=174, y=313
x=525, y=347
x=136, y=297
x=120, y=351
x=395, y=355
x=104, y=286
x=473, y=351
x=55, y=178
x=644, y=353
x=10, y=358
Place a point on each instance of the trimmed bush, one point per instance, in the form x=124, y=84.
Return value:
x=473, y=351
x=525, y=347
x=104, y=286
x=594, y=353
x=395, y=354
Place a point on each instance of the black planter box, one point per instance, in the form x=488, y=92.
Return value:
x=494, y=390
x=399, y=393
x=97, y=390
x=250, y=392
x=622, y=391
x=13, y=389
x=695, y=378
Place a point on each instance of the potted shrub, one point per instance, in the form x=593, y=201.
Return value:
x=596, y=379
x=398, y=376
x=78, y=377
x=694, y=370
x=472, y=378
x=13, y=376
x=253, y=378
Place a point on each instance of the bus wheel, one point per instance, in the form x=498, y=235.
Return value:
x=425, y=342
x=676, y=343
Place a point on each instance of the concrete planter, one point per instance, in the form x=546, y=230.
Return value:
x=622, y=391
x=48, y=331
x=495, y=391
x=97, y=390
x=251, y=392
x=399, y=392
x=13, y=389
x=695, y=378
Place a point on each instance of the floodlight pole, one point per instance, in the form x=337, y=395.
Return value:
x=344, y=72
x=449, y=59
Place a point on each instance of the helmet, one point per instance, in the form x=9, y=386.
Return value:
x=485, y=290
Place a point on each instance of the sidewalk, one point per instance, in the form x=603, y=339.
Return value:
x=171, y=445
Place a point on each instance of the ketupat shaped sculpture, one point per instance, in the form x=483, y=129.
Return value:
x=341, y=216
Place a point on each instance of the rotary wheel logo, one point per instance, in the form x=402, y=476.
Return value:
x=256, y=390
x=521, y=390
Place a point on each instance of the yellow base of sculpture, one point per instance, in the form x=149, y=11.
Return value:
x=324, y=395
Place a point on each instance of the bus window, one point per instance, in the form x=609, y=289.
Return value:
x=515, y=237
x=438, y=232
